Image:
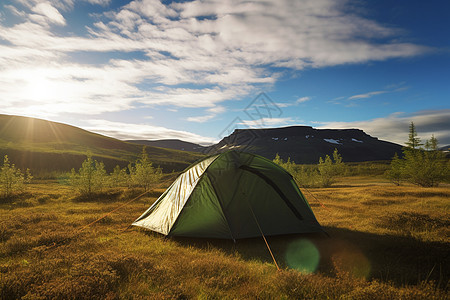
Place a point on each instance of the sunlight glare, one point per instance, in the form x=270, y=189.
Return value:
x=41, y=87
x=47, y=91
x=352, y=261
x=303, y=256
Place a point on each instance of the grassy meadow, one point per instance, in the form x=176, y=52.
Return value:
x=385, y=242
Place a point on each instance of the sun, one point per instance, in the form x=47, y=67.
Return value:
x=40, y=87
x=44, y=92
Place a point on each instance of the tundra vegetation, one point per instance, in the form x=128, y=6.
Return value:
x=323, y=175
x=12, y=179
x=423, y=166
x=92, y=177
x=386, y=242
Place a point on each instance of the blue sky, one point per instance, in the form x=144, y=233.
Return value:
x=195, y=70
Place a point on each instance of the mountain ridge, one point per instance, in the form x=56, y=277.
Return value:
x=175, y=144
x=302, y=144
x=305, y=144
x=43, y=145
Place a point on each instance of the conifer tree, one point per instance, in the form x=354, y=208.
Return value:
x=395, y=173
x=90, y=178
x=413, y=141
x=424, y=167
x=143, y=174
x=118, y=177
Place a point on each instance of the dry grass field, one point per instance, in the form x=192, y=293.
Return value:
x=385, y=242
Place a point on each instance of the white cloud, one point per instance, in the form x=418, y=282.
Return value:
x=366, y=95
x=302, y=99
x=212, y=113
x=294, y=103
x=99, y=2
x=49, y=91
x=348, y=101
x=222, y=57
x=129, y=131
x=50, y=13
x=394, y=128
x=201, y=119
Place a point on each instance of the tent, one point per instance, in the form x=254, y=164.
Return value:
x=231, y=195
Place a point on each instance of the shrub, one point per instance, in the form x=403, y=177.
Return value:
x=304, y=175
x=118, y=177
x=424, y=167
x=395, y=173
x=12, y=180
x=329, y=168
x=90, y=178
x=143, y=174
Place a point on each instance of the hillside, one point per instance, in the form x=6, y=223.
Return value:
x=50, y=146
x=170, y=144
x=304, y=144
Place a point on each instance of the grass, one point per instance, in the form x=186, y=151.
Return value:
x=386, y=242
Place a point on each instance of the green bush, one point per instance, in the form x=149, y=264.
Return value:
x=12, y=180
x=91, y=177
x=330, y=168
x=143, y=174
x=118, y=177
x=424, y=167
x=324, y=174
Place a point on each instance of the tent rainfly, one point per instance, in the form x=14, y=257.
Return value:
x=231, y=195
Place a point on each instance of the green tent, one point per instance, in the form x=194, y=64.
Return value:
x=231, y=195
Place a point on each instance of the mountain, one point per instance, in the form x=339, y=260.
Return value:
x=50, y=146
x=170, y=144
x=304, y=144
x=445, y=148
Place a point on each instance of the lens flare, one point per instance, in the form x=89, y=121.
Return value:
x=303, y=255
x=352, y=262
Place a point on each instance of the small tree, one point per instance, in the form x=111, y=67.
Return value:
x=90, y=178
x=413, y=141
x=118, y=177
x=303, y=175
x=433, y=142
x=395, y=173
x=427, y=167
x=143, y=174
x=329, y=168
x=12, y=180
x=288, y=165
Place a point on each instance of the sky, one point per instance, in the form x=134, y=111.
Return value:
x=197, y=70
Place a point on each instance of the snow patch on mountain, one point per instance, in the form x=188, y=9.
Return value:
x=333, y=141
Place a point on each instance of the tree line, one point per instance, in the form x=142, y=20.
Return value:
x=324, y=174
x=421, y=164
x=91, y=178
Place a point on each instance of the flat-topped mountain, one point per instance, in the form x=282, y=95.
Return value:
x=304, y=144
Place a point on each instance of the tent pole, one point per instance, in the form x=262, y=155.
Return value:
x=262, y=234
